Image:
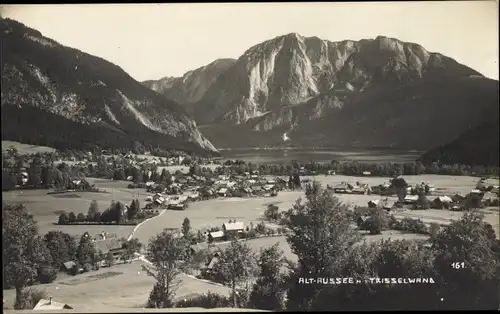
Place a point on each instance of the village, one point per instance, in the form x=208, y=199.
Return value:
x=224, y=201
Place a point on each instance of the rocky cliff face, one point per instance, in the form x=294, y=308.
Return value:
x=57, y=95
x=162, y=85
x=374, y=92
x=193, y=85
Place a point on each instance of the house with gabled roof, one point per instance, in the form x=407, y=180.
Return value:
x=50, y=305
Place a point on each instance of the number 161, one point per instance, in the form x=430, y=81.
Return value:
x=458, y=265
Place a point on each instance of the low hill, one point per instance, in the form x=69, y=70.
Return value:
x=478, y=146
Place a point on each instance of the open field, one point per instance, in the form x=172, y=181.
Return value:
x=215, y=212
x=27, y=148
x=445, y=185
x=47, y=207
x=130, y=289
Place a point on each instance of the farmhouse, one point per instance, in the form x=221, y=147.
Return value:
x=342, y=188
x=112, y=245
x=215, y=236
x=359, y=189
x=49, y=305
x=222, y=192
x=233, y=228
x=257, y=190
x=411, y=199
x=441, y=202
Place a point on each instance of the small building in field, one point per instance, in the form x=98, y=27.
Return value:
x=373, y=203
x=257, y=190
x=389, y=205
x=359, y=189
x=441, y=202
x=411, y=199
x=367, y=173
x=342, y=188
x=222, y=192
x=215, y=236
x=233, y=228
x=50, y=305
x=69, y=265
x=113, y=246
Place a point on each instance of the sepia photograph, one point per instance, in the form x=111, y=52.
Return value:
x=218, y=157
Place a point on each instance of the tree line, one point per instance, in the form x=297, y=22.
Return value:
x=116, y=213
x=355, y=168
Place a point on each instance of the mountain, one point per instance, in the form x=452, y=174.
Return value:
x=59, y=96
x=478, y=146
x=193, y=85
x=378, y=92
x=162, y=85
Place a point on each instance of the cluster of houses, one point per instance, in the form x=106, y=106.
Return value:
x=454, y=202
x=229, y=230
x=191, y=188
x=347, y=188
x=175, y=202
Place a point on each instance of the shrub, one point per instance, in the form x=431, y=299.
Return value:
x=80, y=217
x=251, y=234
x=271, y=213
x=208, y=301
x=411, y=225
x=87, y=267
x=376, y=222
x=261, y=228
x=47, y=274
x=71, y=217
x=63, y=219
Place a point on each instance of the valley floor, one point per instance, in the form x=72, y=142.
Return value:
x=127, y=286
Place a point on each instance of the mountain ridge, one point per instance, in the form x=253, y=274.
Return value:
x=50, y=85
x=193, y=84
x=315, y=92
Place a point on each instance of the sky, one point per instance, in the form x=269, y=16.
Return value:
x=151, y=41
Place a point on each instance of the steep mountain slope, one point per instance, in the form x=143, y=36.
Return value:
x=193, y=85
x=478, y=146
x=162, y=85
x=59, y=96
x=378, y=92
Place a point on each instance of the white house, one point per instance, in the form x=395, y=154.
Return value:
x=217, y=235
x=411, y=199
x=49, y=305
x=233, y=228
x=222, y=192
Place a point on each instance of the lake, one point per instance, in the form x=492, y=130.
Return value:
x=319, y=155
